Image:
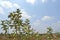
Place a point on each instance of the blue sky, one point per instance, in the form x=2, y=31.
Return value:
x=42, y=13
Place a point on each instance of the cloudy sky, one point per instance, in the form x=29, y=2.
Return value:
x=42, y=13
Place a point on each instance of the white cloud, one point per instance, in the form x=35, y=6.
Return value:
x=56, y=26
x=37, y=23
x=25, y=14
x=16, y=5
x=1, y=10
x=31, y=1
x=38, y=26
x=46, y=18
x=43, y=1
x=8, y=4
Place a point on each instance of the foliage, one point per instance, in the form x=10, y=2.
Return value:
x=21, y=29
x=49, y=32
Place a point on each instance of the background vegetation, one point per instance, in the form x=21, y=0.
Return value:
x=22, y=29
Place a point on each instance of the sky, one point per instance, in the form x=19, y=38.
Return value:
x=41, y=13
